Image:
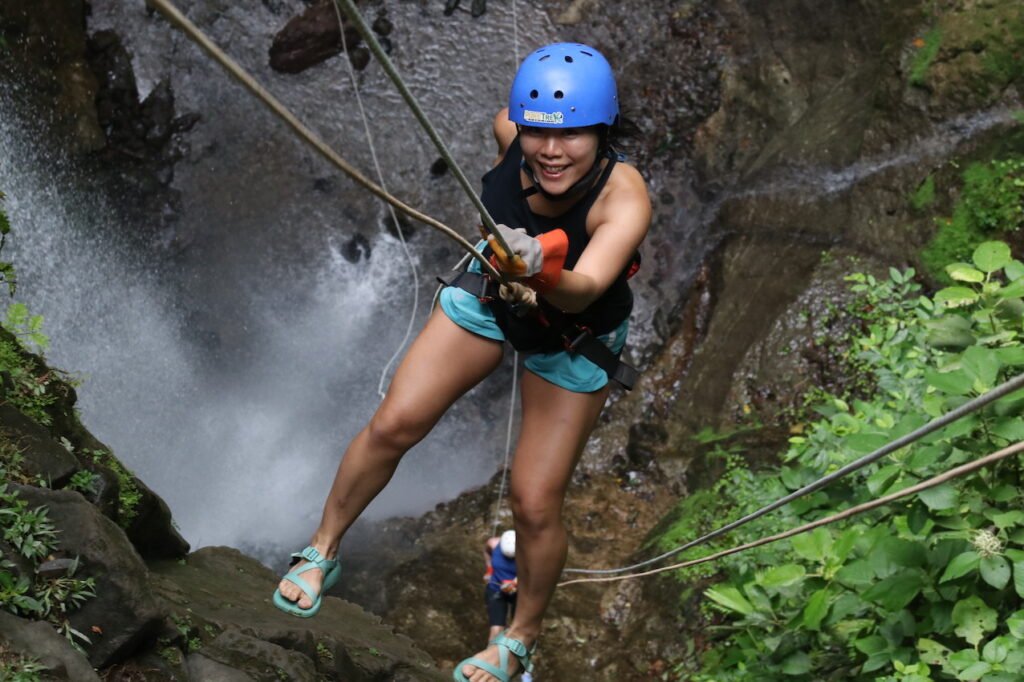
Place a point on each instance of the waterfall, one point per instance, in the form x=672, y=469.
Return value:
x=230, y=374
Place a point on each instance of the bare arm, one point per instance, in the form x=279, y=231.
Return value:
x=623, y=216
x=504, y=132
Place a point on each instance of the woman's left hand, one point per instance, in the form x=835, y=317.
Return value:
x=537, y=260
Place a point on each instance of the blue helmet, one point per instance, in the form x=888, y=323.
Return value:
x=564, y=85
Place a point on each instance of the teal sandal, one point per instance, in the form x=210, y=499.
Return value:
x=506, y=646
x=329, y=567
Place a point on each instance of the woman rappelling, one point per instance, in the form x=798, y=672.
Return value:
x=573, y=215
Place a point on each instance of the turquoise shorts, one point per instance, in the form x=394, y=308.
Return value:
x=571, y=371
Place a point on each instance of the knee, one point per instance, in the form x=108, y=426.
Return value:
x=394, y=430
x=535, y=511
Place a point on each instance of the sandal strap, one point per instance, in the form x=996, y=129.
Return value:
x=517, y=649
x=315, y=558
x=301, y=584
x=499, y=673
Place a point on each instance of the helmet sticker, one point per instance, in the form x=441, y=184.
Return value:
x=543, y=117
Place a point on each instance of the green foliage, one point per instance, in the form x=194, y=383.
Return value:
x=926, y=589
x=1002, y=56
x=924, y=195
x=925, y=56
x=34, y=537
x=992, y=201
x=128, y=496
x=84, y=481
x=7, y=274
x=17, y=668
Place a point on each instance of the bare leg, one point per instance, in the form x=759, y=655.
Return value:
x=444, y=362
x=555, y=428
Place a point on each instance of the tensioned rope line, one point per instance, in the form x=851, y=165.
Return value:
x=962, y=470
x=181, y=21
x=389, y=68
x=937, y=423
x=515, y=353
x=391, y=209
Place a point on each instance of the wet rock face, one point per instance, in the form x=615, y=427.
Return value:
x=44, y=43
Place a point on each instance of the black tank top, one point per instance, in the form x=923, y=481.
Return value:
x=503, y=196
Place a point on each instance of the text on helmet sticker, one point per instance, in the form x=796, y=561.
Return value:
x=543, y=117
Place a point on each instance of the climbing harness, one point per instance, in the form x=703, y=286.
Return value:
x=967, y=408
x=962, y=470
x=543, y=328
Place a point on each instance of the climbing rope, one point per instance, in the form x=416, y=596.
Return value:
x=235, y=70
x=932, y=426
x=515, y=353
x=962, y=470
x=391, y=209
x=375, y=47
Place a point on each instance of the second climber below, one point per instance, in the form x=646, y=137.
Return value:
x=574, y=214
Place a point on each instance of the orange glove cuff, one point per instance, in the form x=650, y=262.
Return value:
x=555, y=245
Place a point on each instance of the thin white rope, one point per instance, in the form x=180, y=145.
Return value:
x=394, y=218
x=508, y=441
x=515, y=353
x=515, y=36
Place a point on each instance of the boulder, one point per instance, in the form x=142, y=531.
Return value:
x=123, y=615
x=43, y=457
x=252, y=658
x=309, y=39
x=222, y=598
x=37, y=640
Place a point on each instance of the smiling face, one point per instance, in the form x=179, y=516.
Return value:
x=559, y=157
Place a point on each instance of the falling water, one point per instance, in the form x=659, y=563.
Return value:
x=230, y=375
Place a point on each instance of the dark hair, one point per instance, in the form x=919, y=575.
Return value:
x=619, y=136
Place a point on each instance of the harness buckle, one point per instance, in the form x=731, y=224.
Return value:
x=485, y=285
x=582, y=337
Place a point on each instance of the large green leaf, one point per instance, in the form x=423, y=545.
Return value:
x=880, y=481
x=813, y=546
x=856, y=574
x=961, y=564
x=995, y=570
x=798, y=663
x=1010, y=428
x=981, y=364
x=730, y=598
x=863, y=443
x=1013, y=289
x=992, y=256
x=896, y=591
x=956, y=297
x=1018, y=577
x=1011, y=356
x=816, y=609
x=949, y=332
x=1016, y=624
x=932, y=652
x=973, y=619
x=781, y=576
x=942, y=496
x=906, y=553
x=1007, y=519
x=964, y=272
x=954, y=383
x=1014, y=270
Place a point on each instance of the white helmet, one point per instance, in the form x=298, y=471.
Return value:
x=508, y=544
